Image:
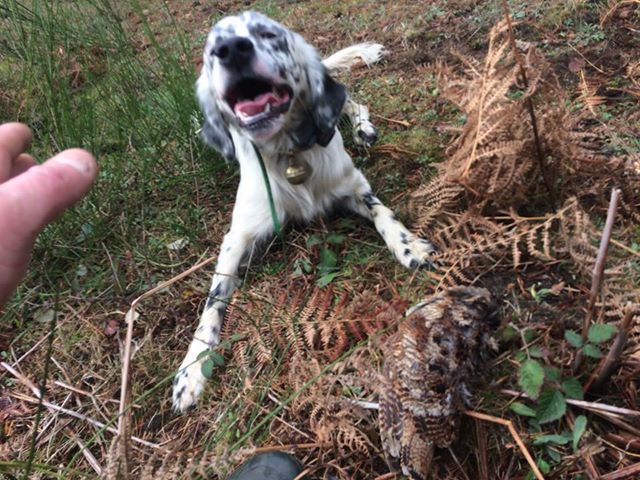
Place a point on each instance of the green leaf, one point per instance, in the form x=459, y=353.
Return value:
x=557, y=439
x=522, y=409
x=601, y=332
x=328, y=260
x=543, y=466
x=313, y=240
x=325, y=280
x=578, y=430
x=509, y=333
x=531, y=377
x=591, y=351
x=335, y=238
x=553, y=454
x=552, y=374
x=574, y=339
x=203, y=354
x=536, y=352
x=207, y=368
x=520, y=356
x=217, y=359
x=551, y=406
x=529, y=335
x=573, y=388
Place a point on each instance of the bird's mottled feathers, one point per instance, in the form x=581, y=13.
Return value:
x=427, y=362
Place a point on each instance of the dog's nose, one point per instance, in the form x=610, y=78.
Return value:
x=234, y=51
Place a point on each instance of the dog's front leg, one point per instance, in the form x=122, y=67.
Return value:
x=410, y=250
x=189, y=381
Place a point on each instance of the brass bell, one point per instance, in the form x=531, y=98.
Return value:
x=297, y=171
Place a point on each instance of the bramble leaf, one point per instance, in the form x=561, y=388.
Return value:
x=531, y=378
x=573, y=388
x=578, y=430
x=522, y=409
x=551, y=406
x=574, y=339
x=601, y=332
x=592, y=351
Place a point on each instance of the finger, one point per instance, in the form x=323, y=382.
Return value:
x=23, y=163
x=31, y=200
x=15, y=138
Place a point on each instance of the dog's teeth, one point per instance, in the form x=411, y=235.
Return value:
x=267, y=108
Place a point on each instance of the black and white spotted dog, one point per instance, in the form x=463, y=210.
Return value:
x=264, y=89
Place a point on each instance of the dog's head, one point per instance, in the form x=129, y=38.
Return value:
x=265, y=80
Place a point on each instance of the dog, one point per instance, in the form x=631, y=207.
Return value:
x=267, y=97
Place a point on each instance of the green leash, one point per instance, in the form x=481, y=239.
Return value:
x=272, y=206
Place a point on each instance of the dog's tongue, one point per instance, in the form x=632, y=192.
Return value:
x=253, y=107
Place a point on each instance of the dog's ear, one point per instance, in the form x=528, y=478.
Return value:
x=214, y=130
x=327, y=100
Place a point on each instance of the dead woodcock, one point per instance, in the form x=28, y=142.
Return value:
x=427, y=362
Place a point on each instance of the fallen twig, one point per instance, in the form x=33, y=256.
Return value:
x=598, y=270
x=514, y=434
x=85, y=451
x=392, y=120
x=292, y=446
x=632, y=471
x=614, y=7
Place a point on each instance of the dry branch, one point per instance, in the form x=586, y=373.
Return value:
x=598, y=271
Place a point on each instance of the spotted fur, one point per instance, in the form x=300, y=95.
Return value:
x=307, y=128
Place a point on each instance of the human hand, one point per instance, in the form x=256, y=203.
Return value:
x=33, y=195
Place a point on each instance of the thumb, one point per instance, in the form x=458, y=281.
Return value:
x=34, y=198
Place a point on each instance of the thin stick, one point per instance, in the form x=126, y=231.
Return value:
x=457, y=462
x=614, y=7
x=624, y=247
x=123, y=415
x=598, y=270
x=32, y=349
x=599, y=378
x=632, y=471
x=532, y=113
x=514, y=434
x=302, y=474
x=86, y=452
x=387, y=476
x=601, y=407
x=292, y=446
x=392, y=120
x=481, y=439
x=22, y=379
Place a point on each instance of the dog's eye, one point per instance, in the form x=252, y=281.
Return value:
x=267, y=35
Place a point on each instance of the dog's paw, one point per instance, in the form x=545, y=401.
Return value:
x=365, y=134
x=414, y=252
x=188, y=385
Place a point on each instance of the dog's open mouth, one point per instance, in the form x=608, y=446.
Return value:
x=255, y=101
